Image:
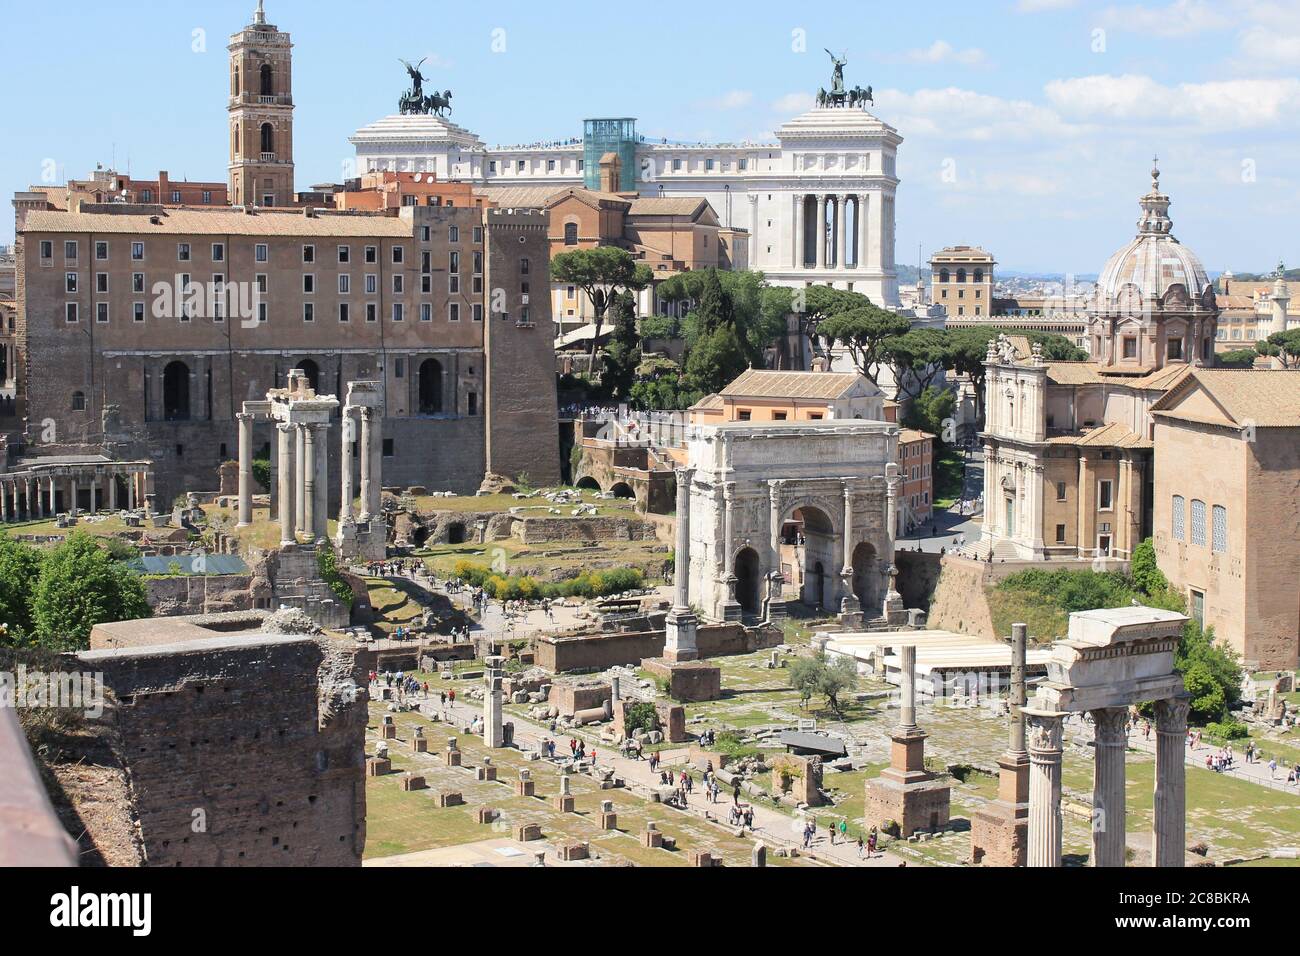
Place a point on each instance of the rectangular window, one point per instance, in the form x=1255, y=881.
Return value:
x=345, y=284
x=70, y=281
x=372, y=312
x=744, y=415
x=1198, y=522
x=182, y=252
x=207, y=197
x=372, y=283
x=101, y=251
x=47, y=249
x=343, y=312
x=453, y=234
x=453, y=284
x=453, y=311
x=397, y=284
x=1219, y=543
x=1060, y=534
x=388, y=448
x=478, y=263
x=426, y=312
x=1178, y=518
x=261, y=252
x=1060, y=491
x=425, y=232
x=308, y=312
x=308, y=284
x=260, y=279
x=218, y=252
x=1130, y=347
x=478, y=233
x=101, y=281
x=261, y=312
x=218, y=297
x=399, y=255
x=398, y=315
x=426, y=284
x=399, y=367
x=345, y=254
x=70, y=249
x=372, y=254
x=70, y=312
x=137, y=251
x=426, y=261
x=101, y=312
x=476, y=313
x=523, y=266
x=137, y=311
x=453, y=262
x=1104, y=495
x=471, y=403
x=308, y=253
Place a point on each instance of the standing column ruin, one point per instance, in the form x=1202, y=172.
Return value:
x=680, y=626
x=300, y=477
x=493, y=734
x=366, y=438
x=320, y=506
x=1046, y=731
x=307, y=491
x=1108, y=804
x=285, y=501
x=245, y=469
x=1000, y=829
x=345, y=466
x=1169, y=827
x=850, y=606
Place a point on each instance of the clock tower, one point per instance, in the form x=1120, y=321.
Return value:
x=261, y=115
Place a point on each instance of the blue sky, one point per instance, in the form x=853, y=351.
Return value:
x=1029, y=125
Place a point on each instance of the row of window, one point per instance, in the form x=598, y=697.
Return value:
x=261, y=251
x=1218, y=524
x=944, y=275
x=72, y=312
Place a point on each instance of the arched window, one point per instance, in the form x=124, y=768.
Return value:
x=961, y=275
x=979, y=275
x=570, y=233
x=78, y=401
x=176, y=392
x=312, y=371
x=268, y=85
x=1178, y=519
x=268, y=138
x=1198, y=522
x=430, y=387
x=943, y=275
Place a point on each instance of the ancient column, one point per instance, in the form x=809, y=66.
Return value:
x=775, y=580
x=1169, y=836
x=112, y=492
x=53, y=498
x=821, y=231
x=4, y=502
x=680, y=625
x=1045, y=735
x=131, y=488
x=320, y=527
x=300, y=477
x=492, y=731
x=345, y=464
x=1109, y=744
x=731, y=609
x=72, y=505
x=841, y=257
x=850, y=607
x=284, y=487
x=245, y=469
x=307, y=493
x=799, y=247
x=907, y=689
x=366, y=437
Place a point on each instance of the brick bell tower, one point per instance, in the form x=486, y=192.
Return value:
x=261, y=115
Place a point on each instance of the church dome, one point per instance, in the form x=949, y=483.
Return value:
x=1154, y=266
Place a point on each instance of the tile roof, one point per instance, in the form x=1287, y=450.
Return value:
x=1110, y=435
x=761, y=383
x=667, y=206
x=519, y=197
x=1265, y=398
x=218, y=222
x=908, y=435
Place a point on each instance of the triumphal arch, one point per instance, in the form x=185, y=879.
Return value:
x=793, y=511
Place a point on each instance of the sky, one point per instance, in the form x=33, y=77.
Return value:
x=1029, y=126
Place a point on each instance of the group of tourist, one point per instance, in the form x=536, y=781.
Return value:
x=392, y=569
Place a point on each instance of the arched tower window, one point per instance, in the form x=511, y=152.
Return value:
x=961, y=275
x=943, y=275
x=268, y=80
x=234, y=81
x=268, y=138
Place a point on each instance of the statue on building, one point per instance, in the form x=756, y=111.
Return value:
x=837, y=77
x=414, y=101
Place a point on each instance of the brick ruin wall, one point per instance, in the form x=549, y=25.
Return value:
x=242, y=751
x=584, y=652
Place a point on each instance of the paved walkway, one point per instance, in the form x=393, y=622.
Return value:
x=771, y=827
x=1250, y=772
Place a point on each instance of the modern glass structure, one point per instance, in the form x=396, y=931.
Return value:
x=601, y=136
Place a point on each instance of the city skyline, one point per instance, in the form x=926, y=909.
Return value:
x=1030, y=121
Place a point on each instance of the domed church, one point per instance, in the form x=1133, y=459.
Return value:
x=1068, y=446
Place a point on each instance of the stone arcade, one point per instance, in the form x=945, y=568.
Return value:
x=1111, y=660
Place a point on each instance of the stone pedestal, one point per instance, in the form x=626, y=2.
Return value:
x=652, y=838
x=420, y=745
x=527, y=832
x=679, y=636
x=570, y=852
x=377, y=767
x=451, y=798
x=905, y=792
x=608, y=818
x=564, y=803
x=1000, y=829
x=414, y=782
x=687, y=681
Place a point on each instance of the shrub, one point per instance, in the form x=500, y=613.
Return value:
x=327, y=562
x=1228, y=730
x=262, y=472
x=640, y=716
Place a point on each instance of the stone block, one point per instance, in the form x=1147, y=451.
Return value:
x=388, y=732
x=564, y=803
x=575, y=851
x=609, y=821
x=701, y=858
x=452, y=757
x=527, y=832
x=487, y=814
x=525, y=788
x=414, y=782
x=485, y=773
x=420, y=745
x=378, y=766
x=450, y=798
x=651, y=837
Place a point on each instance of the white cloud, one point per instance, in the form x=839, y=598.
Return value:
x=941, y=51
x=1177, y=19
x=1263, y=47
x=1205, y=107
x=731, y=100
x=794, y=103
x=959, y=114
x=1038, y=6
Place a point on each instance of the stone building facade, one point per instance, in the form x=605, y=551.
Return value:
x=144, y=329
x=1227, y=506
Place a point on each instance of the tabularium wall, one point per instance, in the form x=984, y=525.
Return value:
x=522, y=433
x=242, y=751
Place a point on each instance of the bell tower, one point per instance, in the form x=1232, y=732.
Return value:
x=261, y=115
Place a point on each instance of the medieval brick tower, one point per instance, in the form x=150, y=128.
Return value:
x=261, y=115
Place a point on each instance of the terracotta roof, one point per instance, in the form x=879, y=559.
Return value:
x=1110, y=435
x=1164, y=378
x=1074, y=373
x=908, y=435
x=1091, y=373
x=218, y=222
x=668, y=206
x=761, y=383
x=519, y=197
x=590, y=197
x=708, y=403
x=1265, y=398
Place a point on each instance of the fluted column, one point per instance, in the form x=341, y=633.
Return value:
x=1169, y=837
x=53, y=497
x=4, y=502
x=860, y=206
x=820, y=231
x=307, y=493
x=841, y=257
x=907, y=689
x=287, y=439
x=1108, y=804
x=345, y=464
x=800, y=260
x=682, y=556
x=1045, y=737
x=320, y=505
x=774, y=520
x=849, y=604
x=300, y=477
x=366, y=478
x=245, y=420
